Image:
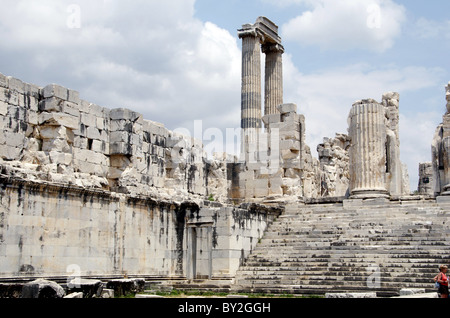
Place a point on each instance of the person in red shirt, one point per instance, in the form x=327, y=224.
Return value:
x=442, y=279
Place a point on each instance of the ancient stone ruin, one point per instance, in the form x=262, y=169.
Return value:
x=106, y=194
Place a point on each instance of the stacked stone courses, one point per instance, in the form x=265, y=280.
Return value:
x=58, y=137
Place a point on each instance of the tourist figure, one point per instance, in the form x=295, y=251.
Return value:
x=442, y=279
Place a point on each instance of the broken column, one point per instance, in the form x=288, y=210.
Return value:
x=367, y=152
x=441, y=153
x=394, y=166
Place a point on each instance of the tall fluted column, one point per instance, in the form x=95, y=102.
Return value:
x=368, y=150
x=251, y=118
x=273, y=78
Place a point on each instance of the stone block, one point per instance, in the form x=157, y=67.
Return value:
x=73, y=96
x=3, y=108
x=84, y=106
x=121, y=125
x=100, y=146
x=41, y=288
x=88, y=120
x=271, y=119
x=290, y=118
x=89, y=288
x=96, y=110
x=59, y=145
x=60, y=158
x=12, y=97
x=16, y=85
x=122, y=113
x=83, y=155
x=120, y=148
x=93, y=133
x=80, y=142
x=52, y=132
x=4, y=81
x=286, y=134
x=74, y=295
x=4, y=94
x=10, y=153
x=289, y=154
x=119, y=136
x=100, y=123
x=290, y=144
x=292, y=164
x=32, y=90
x=54, y=90
x=33, y=118
x=14, y=139
x=287, y=108
x=56, y=104
x=59, y=119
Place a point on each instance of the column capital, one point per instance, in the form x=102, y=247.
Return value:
x=249, y=30
x=272, y=47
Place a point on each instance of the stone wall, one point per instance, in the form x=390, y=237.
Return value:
x=334, y=164
x=51, y=134
x=279, y=166
x=48, y=230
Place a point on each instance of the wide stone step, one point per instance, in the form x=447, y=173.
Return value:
x=323, y=248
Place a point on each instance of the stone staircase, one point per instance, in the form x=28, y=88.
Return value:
x=316, y=249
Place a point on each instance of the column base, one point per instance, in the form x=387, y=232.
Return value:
x=369, y=194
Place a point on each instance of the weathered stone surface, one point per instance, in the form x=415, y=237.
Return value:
x=89, y=288
x=59, y=119
x=74, y=295
x=42, y=288
x=367, y=153
x=287, y=108
x=54, y=90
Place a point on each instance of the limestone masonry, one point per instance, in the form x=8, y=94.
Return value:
x=113, y=195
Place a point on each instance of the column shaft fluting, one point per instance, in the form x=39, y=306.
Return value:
x=273, y=96
x=251, y=118
x=368, y=151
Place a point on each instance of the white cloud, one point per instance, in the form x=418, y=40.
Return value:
x=154, y=57
x=346, y=24
x=431, y=29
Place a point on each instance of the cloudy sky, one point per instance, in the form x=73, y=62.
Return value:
x=177, y=61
